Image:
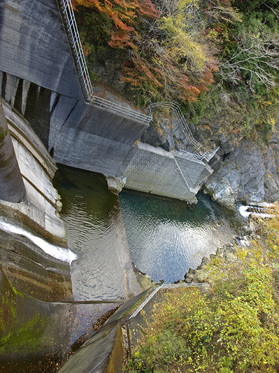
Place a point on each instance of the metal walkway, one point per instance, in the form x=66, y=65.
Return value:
x=87, y=88
x=187, y=134
x=81, y=65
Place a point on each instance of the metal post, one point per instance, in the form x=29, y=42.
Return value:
x=74, y=38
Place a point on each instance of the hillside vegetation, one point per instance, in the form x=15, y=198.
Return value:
x=218, y=59
x=232, y=328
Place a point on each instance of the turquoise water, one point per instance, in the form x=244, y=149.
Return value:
x=167, y=237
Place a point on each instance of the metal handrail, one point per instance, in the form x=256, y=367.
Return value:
x=185, y=129
x=73, y=33
x=71, y=26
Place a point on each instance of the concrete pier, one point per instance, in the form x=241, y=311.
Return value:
x=11, y=184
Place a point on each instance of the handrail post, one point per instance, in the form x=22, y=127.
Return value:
x=75, y=41
x=185, y=129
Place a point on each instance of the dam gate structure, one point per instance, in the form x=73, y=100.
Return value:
x=44, y=76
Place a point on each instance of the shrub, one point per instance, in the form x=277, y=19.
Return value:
x=232, y=328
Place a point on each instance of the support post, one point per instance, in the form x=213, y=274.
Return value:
x=12, y=188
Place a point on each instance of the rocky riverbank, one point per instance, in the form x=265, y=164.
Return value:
x=247, y=174
x=200, y=274
x=244, y=170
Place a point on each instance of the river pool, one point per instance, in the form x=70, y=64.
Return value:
x=165, y=237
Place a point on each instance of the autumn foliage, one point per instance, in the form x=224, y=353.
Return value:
x=162, y=59
x=180, y=49
x=123, y=15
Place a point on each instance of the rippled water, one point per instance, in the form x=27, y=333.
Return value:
x=96, y=234
x=165, y=237
x=168, y=237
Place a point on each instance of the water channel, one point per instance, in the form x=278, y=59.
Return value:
x=163, y=238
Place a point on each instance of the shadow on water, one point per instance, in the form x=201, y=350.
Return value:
x=95, y=231
x=167, y=237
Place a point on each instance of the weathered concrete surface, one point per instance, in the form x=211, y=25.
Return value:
x=157, y=171
x=91, y=138
x=39, y=78
x=28, y=267
x=194, y=170
x=39, y=73
x=94, y=355
x=32, y=271
x=38, y=336
x=11, y=184
x=37, y=168
x=34, y=45
x=103, y=352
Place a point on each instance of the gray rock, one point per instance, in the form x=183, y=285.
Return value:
x=240, y=177
x=271, y=161
x=154, y=136
x=221, y=191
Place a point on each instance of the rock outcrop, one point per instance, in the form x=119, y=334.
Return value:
x=271, y=162
x=240, y=177
x=247, y=174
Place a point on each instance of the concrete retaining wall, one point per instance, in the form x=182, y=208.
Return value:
x=39, y=79
x=156, y=171
x=37, y=169
x=90, y=137
x=34, y=46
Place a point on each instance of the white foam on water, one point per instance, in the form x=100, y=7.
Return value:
x=243, y=211
x=57, y=252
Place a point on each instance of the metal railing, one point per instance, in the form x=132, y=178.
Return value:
x=81, y=65
x=195, y=145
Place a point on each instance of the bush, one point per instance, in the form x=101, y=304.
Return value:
x=232, y=328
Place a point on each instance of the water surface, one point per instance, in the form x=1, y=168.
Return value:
x=96, y=234
x=167, y=237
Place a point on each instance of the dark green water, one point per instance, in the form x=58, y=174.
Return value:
x=168, y=237
x=96, y=234
x=165, y=237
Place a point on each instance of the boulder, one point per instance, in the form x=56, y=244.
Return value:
x=240, y=177
x=271, y=161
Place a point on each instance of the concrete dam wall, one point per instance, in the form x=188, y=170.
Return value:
x=157, y=171
x=29, y=262
x=37, y=66
x=40, y=78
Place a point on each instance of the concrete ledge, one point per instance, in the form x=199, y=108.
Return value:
x=37, y=169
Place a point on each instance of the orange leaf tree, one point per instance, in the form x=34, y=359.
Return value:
x=123, y=15
x=167, y=54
